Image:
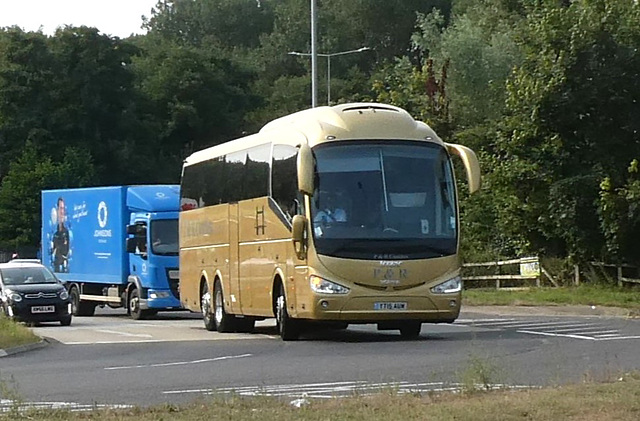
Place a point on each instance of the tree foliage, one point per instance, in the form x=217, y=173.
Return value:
x=571, y=119
x=545, y=92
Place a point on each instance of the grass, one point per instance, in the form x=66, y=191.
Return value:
x=598, y=295
x=14, y=334
x=617, y=400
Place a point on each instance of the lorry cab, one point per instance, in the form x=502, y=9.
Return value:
x=152, y=245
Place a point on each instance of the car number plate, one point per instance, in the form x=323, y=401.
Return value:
x=43, y=309
x=397, y=305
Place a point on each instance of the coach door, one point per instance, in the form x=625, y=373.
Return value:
x=234, y=292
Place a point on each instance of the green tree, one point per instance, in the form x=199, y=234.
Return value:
x=194, y=98
x=571, y=120
x=619, y=210
x=27, y=68
x=20, y=191
x=72, y=89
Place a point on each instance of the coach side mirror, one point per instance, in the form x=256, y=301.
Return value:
x=305, y=167
x=299, y=237
x=471, y=165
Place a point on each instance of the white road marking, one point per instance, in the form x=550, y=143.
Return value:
x=115, y=332
x=574, y=336
x=7, y=405
x=206, y=360
x=338, y=389
x=593, y=331
x=585, y=330
x=523, y=323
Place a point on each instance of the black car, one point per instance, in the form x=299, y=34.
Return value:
x=31, y=293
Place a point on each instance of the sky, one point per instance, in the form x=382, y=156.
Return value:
x=119, y=18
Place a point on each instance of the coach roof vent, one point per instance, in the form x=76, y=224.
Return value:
x=370, y=107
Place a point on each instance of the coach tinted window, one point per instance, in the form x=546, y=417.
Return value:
x=284, y=188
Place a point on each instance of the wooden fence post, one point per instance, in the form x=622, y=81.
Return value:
x=619, y=276
x=576, y=275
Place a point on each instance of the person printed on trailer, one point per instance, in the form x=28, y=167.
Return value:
x=61, y=240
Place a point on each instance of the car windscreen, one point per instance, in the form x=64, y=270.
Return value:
x=27, y=275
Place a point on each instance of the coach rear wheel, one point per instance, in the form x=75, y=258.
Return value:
x=205, y=304
x=224, y=322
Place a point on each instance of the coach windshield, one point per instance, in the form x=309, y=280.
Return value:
x=384, y=200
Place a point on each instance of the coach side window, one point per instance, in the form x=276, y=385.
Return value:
x=284, y=188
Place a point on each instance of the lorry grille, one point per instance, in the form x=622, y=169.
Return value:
x=173, y=276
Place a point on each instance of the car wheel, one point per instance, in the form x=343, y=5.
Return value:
x=288, y=328
x=66, y=320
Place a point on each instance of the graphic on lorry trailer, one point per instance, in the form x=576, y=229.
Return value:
x=83, y=232
x=60, y=244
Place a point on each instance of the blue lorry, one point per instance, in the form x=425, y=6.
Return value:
x=115, y=246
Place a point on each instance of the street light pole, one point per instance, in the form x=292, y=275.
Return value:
x=314, y=57
x=328, y=56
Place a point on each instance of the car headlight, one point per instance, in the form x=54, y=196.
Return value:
x=448, y=287
x=63, y=294
x=323, y=286
x=13, y=296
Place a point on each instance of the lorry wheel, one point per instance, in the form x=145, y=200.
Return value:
x=224, y=322
x=134, y=306
x=80, y=308
x=410, y=330
x=205, y=304
x=288, y=328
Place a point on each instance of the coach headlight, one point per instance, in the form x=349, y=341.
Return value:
x=322, y=286
x=448, y=287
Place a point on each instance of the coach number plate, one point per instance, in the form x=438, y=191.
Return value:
x=402, y=305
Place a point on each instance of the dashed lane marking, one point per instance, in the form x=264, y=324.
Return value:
x=177, y=363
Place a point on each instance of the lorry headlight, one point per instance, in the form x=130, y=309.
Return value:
x=323, y=286
x=13, y=296
x=158, y=294
x=448, y=287
x=64, y=294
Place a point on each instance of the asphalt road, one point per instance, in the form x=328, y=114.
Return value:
x=110, y=359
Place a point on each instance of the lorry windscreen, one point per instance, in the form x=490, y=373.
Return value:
x=164, y=237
